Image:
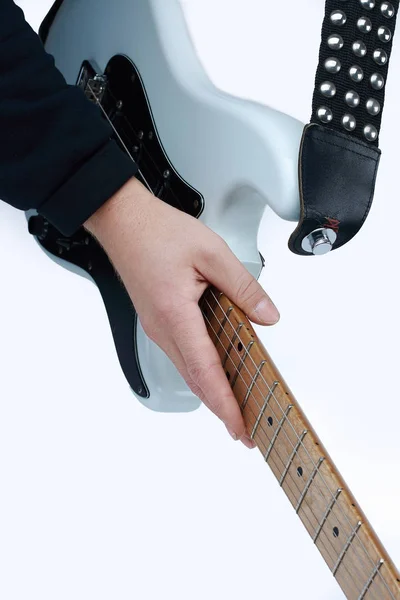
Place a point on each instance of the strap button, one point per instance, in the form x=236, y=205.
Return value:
x=319, y=241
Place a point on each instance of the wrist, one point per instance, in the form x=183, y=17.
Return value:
x=107, y=219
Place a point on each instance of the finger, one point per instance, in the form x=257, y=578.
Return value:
x=226, y=272
x=205, y=370
x=172, y=351
x=246, y=440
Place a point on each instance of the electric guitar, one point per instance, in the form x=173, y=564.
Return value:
x=222, y=160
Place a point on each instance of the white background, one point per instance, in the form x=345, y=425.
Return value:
x=102, y=499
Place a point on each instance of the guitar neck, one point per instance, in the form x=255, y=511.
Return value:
x=298, y=459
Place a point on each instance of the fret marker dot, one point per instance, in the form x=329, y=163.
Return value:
x=300, y=472
x=336, y=532
x=270, y=421
x=240, y=346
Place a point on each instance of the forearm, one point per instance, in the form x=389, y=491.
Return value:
x=56, y=154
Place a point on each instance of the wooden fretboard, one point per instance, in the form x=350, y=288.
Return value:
x=298, y=459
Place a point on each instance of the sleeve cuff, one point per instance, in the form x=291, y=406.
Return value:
x=92, y=185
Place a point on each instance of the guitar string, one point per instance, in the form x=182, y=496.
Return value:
x=322, y=532
x=289, y=474
x=151, y=191
x=318, y=473
x=271, y=409
x=301, y=444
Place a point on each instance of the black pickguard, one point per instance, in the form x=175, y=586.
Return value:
x=126, y=104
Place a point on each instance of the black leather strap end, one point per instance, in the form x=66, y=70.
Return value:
x=337, y=175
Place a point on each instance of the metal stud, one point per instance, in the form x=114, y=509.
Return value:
x=359, y=48
x=349, y=122
x=380, y=57
x=356, y=73
x=328, y=89
x=384, y=34
x=324, y=114
x=367, y=4
x=377, y=81
x=373, y=106
x=370, y=133
x=364, y=24
x=387, y=9
x=335, y=41
x=332, y=65
x=352, y=99
x=338, y=17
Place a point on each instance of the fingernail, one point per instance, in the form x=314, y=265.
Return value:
x=247, y=441
x=233, y=434
x=267, y=311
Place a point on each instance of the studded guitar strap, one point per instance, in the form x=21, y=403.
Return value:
x=339, y=153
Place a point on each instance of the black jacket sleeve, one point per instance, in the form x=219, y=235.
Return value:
x=56, y=151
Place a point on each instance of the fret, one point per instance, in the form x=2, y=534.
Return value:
x=292, y=456
x=309, y=482
x=371, y=579
x=242, y=360
x=252, y=384
x=262, y=411
x=322, y=500
x=278, y=429
x=327, y=513
x=232, y=342
x=347, y=546
x=224, y=322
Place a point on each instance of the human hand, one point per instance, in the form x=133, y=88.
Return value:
x=166, y=260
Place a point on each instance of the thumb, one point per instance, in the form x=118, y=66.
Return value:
x=229, y=276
